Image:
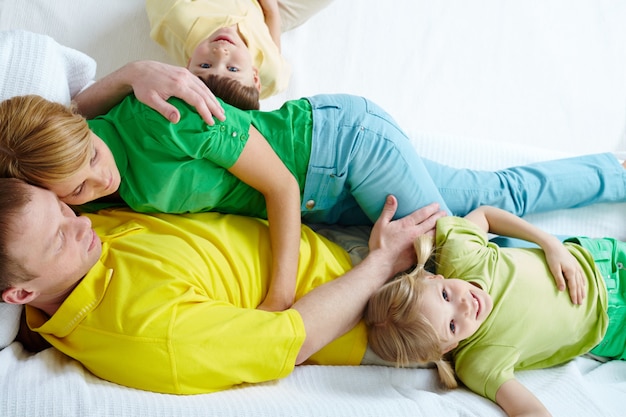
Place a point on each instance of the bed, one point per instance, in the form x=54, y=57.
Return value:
x=482, y=84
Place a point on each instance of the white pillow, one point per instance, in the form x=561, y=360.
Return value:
x=32, y=63
x=10, y=314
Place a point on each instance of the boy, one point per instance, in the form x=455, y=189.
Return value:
x=216, y=39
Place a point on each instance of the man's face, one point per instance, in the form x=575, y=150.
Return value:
x=54, y=244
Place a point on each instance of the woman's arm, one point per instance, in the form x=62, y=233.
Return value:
x=153, y=83
x=517, y=401
x=260, y=167
x=272, y=19
x=562, y=263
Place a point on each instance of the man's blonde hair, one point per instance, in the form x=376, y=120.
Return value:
x=398, y=332
x=41, y=142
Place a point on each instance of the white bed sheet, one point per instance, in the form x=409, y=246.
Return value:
x=483, y=84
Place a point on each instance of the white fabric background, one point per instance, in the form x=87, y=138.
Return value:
x=485, y=84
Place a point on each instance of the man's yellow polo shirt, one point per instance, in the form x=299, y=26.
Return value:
x=171, y=305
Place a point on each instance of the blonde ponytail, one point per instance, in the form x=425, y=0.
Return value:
x=397, y=330
x=446, y=373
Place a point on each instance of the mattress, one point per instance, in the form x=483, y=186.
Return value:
x=484, y=84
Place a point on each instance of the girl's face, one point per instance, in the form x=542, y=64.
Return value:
x=456, y=309
x=98, y=177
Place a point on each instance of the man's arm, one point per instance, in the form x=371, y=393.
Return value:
x=153, y=83
x=332, y=309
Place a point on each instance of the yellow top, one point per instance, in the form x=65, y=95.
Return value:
x=179, y=26
x=170, y=306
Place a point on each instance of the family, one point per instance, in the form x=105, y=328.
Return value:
x=221, y=281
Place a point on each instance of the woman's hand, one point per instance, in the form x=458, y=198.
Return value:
x=156, y=82
x=153, y=83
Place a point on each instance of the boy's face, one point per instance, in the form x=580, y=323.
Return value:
x=55, y=245
x=455, y=308
x=97, y=178
x=225, y=54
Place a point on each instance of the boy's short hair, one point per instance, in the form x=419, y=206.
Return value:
x=233, y=92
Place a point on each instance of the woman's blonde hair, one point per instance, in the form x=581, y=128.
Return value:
x=397, y=330
x=41, y=142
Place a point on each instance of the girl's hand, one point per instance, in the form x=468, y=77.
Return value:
x=564, y=267
x=566, y=271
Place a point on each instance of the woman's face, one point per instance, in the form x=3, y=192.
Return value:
x=98, y=177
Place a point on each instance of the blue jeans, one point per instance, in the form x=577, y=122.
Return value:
x=359, y=156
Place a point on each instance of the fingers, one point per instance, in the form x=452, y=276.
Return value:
x=156, y=82
x=426, y=225
x=577, y=287
x=389, y=209
x=205, y=103
x=193, y=91
x=396, y=237
x=567, y=273
x=559, y=280
x=576, y=284
x=166, y=110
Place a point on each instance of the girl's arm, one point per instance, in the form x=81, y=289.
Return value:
x=516, y=400
x=153, y=83
x=272, y=19
x=562, y=263
x=260, y=167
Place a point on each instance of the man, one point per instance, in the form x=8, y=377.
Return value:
x=167, y=303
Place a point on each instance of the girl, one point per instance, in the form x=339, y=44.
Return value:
x=325, y=159
x=502, y=313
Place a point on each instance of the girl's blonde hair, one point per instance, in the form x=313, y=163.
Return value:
x=397, y=330
x=41, y=142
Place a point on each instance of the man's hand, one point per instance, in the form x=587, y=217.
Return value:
x=332, y=309
x=396, y=237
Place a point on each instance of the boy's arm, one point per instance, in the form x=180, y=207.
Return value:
x=153, y=83
x=272, y=19
x=516, y=400
x=562, y=263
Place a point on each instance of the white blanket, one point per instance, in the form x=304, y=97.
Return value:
x=483, y=84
